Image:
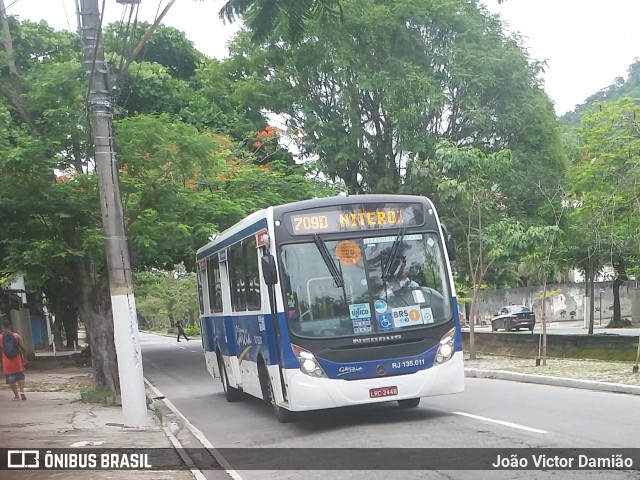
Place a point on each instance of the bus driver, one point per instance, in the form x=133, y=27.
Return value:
x=398, y=281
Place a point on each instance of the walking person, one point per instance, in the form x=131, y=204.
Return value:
x=181, y=330
x=13, y=360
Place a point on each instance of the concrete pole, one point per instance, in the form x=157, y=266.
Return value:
x=126, y=336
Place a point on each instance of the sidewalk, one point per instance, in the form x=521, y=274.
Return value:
x=53, y=416
x=617, y=377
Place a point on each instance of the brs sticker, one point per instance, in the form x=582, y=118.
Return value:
x=359, y=310
x=407, y=316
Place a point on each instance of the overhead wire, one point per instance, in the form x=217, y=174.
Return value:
x=120, y=23
x=124, y=33
x=121, y=74
x=120, y=30
x=9, y=6
x=66, y=15
x=127, y=34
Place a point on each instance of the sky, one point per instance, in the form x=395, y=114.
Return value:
x=586, y=43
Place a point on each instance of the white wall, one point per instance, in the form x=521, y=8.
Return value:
x=568, y=300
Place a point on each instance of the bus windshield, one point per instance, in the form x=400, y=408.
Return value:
x=382, y=285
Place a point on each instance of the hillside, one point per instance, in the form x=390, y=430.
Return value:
x=619, y=89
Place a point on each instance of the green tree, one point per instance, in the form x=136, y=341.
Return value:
x=163, y=297
x=264, y=16
x=466, y=185
x=179, y=184
x=167, y=46
x=368, y=96
x=604, y=183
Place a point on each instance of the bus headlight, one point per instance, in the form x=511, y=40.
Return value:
x=445, y=350
x=308, y=362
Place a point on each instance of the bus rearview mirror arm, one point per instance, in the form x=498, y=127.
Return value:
x=269, y=269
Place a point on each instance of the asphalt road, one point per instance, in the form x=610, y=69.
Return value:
x=489, y=414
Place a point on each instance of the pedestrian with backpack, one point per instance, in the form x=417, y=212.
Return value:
x=13, y=360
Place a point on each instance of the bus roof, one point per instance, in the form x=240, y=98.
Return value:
x=258, y=217
x=343, y=199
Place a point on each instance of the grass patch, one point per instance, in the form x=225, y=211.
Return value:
x=601, y=354
x=95, y=395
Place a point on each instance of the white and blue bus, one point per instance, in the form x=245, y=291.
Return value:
x=332, y=302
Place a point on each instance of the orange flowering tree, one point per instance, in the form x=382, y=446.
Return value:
x=179, y=185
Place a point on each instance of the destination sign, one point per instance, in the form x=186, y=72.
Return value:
x=354, y=217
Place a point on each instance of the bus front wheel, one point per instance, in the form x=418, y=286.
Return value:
x=230, y=393
x=409, y=403
x=282, y=414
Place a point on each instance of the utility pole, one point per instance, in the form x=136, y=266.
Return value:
x=126, y=336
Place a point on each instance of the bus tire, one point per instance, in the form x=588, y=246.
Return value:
x=230, y=393
x=409, y=403
x=282, y=414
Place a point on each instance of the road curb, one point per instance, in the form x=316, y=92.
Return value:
x=184, y=435
x=554, y=381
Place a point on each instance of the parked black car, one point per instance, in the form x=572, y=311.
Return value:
x=514, y=317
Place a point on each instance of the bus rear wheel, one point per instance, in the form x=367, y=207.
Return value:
x=409, y=403
x=230, y=393
x=282, y=414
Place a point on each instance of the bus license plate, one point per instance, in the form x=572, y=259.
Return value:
x=383, y=392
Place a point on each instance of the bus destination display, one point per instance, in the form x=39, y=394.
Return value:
x=342, y=220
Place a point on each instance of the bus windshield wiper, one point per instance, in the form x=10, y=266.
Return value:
x=393, y=255
x=326, y=256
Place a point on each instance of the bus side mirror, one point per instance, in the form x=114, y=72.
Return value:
x=269, y=269
x=450, y=243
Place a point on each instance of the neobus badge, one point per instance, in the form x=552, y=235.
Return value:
x=385, y=338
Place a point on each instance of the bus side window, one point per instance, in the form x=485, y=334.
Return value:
x=237, y=277
x=200, y=297
x=215, y=287
x=244, y=276
x=252, y=278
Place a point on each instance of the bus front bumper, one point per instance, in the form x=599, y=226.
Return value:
x=310, y=393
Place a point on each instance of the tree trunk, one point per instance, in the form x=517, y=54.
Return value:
x=70, y=322
x=95, y=310
x=592, y=277
x=66, y=315
x=57, y=333
x=15, y=95
x=103, y=355
x=617, y=314
x=93, y=300
x=172, y=320
x=544, y=323
x=471, y=319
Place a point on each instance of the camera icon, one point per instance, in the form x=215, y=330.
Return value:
x=23, y=459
